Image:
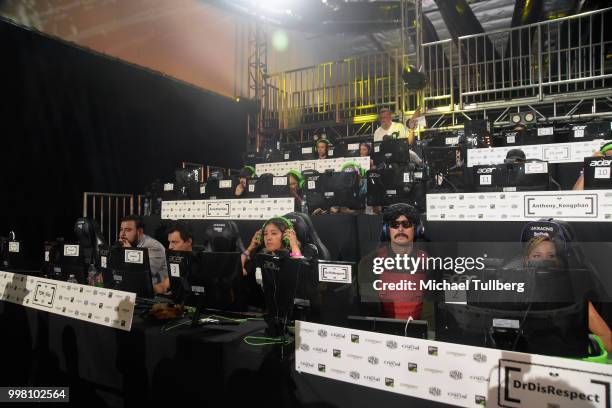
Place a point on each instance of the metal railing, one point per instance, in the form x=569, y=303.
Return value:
x=538, y=62
x=535, y=61
x=107, y=209
x=441, y=72
x=336, y=91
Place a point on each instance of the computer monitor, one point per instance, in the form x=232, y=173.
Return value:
x=392, y=151
x=130, y=271
x=492, y=177
x=50, y=260
x=187, y=183
x=311, y=191
x=332, y=291
x=11, y=254
x=214, y=283
x=392, y=184
x=548, y=317
x=181, y=264
x=253, y=158
x=558, y=332
x=531, y=175
x=215, y=189
x=347, y=149
x=445, y=169
x=281, y=277
x=269, y=186
x=291, y=152
x=340, y=189
x=396, y=327
x=597, y=173
x=72, y=263
x=307, y=151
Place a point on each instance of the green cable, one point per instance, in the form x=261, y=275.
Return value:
x=225, y=318
x=167, y=327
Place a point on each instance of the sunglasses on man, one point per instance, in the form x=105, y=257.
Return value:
x=405, y=224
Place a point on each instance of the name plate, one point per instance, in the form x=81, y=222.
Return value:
x=106, y=307
x=71, y=250
x=338, y=273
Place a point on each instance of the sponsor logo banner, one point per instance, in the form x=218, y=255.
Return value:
x=453, y=374
x=592, y=205
x=281, y=168
x=553, y=153
x=237, y=209
x=112, y=308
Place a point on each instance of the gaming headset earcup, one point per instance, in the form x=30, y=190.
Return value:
x=384, y=234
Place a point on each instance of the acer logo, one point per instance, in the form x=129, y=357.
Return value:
x=486, y=170
x=600, y=163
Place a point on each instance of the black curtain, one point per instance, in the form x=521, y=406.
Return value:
x=75, y=121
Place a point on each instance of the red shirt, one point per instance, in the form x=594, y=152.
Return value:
x=402, y=304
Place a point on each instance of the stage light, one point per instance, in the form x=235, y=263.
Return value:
x=515, y=118
x=280, y=41
x=529, y=117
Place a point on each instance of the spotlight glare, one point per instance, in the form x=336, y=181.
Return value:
x=280, y=40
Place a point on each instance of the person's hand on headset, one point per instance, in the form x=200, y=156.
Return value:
x=255, y=242
x=294, y=244
x=239, y=190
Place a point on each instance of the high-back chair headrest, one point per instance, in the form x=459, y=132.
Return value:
x=223, y=236
x=307, y=235
x=559, y=232
x=89, y=237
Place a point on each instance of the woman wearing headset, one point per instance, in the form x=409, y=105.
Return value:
x=542, y=251
x=277, y=237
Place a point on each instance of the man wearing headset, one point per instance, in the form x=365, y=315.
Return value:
x=401, y=226
x=247, y=173
x=605, y=151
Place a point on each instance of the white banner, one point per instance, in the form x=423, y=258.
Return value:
x=281, y=168
x=586, y=205
x=234, y=209
x=553, y=153
x=106, y=307
x=449, y=373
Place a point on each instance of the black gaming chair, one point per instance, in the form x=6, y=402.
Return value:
x=89, y=237
x=223, y=236
x=312, y=246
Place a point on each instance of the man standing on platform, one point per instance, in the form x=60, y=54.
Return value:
x=131, y=235
x=387, y=127
x=394, y=130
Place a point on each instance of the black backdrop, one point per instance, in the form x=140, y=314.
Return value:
x=74, y=121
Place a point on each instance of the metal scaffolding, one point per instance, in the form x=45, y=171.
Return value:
x=560, y=69
x=258, y=85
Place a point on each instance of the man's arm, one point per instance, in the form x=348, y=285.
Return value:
x=159, y=268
